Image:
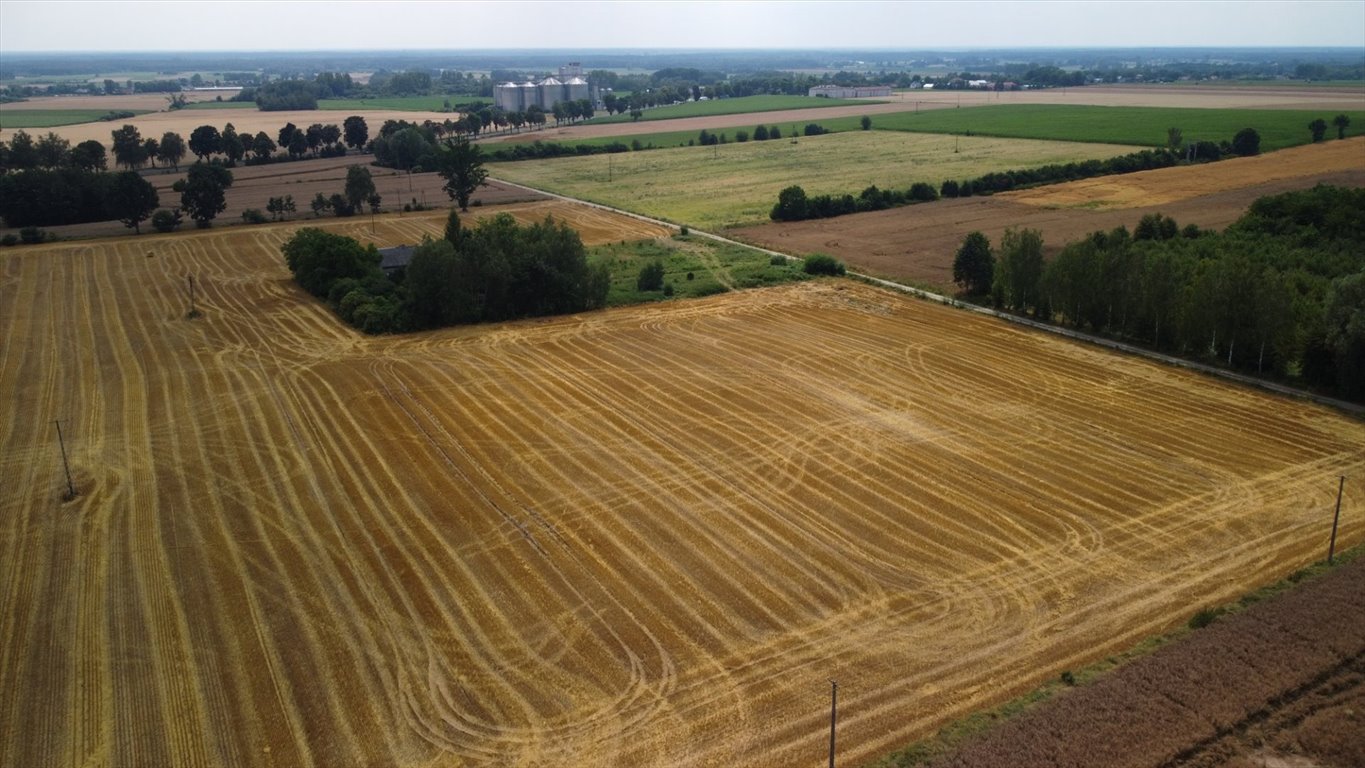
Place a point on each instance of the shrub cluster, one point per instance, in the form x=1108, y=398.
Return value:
x=539, y=150
x=821, y=264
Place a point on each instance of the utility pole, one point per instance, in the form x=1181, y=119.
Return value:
x=833, y=710
x=70, y=486
x=1331, y=547
x=194, y=312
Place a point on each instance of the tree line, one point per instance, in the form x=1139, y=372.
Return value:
x=793, y=204
x=496, y=270
x=1281, y=292
x=48, y=182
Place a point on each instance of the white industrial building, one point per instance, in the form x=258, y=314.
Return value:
x=569, y=86
x=849, y=92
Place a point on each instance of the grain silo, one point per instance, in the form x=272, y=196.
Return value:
x=507, y=96
x=577, y=88
x=550, y=91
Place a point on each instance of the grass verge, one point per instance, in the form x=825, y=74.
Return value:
x=693, y=267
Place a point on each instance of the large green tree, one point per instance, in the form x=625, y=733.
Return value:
x=355, y=131
x=359, y=185
x=231, y=144
x=262, y=146
x=1019, y=269
x=53, y=150
x=1247, y=142
x=460, y=163
x=129, y=150
x=88, y=156
x=22, y=152
x=974, y=265
x=1341, y=122
x=1319, y=129
x=1345, y=321
x=171, y=149
x=204, y=141
x=203, y=194
x=131, y=199
x=792, y=205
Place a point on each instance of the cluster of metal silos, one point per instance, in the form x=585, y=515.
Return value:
x=517, y=97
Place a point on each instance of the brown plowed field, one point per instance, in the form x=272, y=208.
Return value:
x=1287, y=675
x=645, y=536
x=917, y=243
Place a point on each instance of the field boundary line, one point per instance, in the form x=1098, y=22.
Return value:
x=1057, y=330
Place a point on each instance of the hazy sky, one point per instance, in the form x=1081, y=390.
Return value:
x=206, y=25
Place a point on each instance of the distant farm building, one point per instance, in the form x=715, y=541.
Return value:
x=393, y=259
x=569, y=86
x=849, y=92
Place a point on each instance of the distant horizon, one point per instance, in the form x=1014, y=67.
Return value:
x=690, y=49
x=138, y=26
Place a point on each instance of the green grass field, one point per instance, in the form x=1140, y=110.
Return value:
x=1136, y=126
x=738, y=106
x=735, y=184
x=1145, y=126
x=50, y=118
x=693, y=266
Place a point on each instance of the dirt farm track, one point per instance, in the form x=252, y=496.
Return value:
x=646, y=536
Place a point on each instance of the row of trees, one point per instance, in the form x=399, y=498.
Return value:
x=495, y=271
x=1281, y=291
x=49, y=197
x=50, y=152
x=794, y=205
x=42, y=197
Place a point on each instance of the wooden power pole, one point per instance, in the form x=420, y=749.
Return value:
x=833, y=711
x=1332, y=546
x=70, y=486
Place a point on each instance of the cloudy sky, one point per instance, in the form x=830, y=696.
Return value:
x=241, y=25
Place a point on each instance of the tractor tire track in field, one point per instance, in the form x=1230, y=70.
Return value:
x=644, y=536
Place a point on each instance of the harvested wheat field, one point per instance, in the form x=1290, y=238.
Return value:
x=1172, y=185
x=646, y=536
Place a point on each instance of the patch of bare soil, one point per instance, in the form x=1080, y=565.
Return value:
x=916, y=244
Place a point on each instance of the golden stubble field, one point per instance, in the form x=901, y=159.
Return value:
x=646, y=536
